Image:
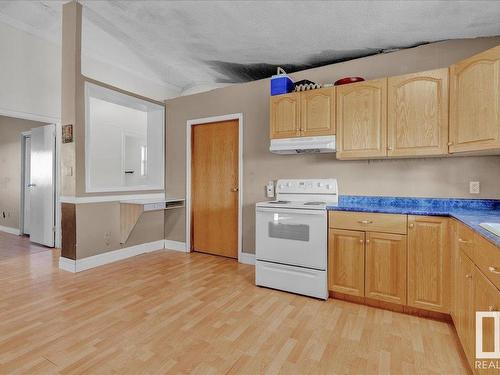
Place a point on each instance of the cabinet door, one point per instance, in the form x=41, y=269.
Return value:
x=475, y=102
x=346, y=262
x=486, y=298
x=385, y=270
x=317, y=112
x=428, y=263
x=285, y=116
x=361, y=119
x=418, y=114
x=465, y=318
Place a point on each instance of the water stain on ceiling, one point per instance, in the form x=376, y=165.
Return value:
x=185, y=44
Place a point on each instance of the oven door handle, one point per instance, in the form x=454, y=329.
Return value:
x=279, y=210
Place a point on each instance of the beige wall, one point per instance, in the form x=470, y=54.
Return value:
x=438, y=177
x=98, y=228
x=10, y=167
x=97, y=224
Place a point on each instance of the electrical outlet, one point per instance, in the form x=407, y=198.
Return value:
x=107, y=238
x=474, y=187
x=270, y=189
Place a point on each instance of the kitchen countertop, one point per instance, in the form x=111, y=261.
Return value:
x=471, y=212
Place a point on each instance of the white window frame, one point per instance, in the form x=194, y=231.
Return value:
x=89, y=188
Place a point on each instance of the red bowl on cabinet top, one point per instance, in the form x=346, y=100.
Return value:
x=346, y=80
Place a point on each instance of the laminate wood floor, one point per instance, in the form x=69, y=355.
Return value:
x=173, y=313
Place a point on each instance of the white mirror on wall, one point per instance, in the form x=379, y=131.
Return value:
x=124, y=141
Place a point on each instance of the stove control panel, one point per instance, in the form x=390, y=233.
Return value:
x=312, y=186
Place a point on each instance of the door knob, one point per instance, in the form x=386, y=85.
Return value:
x=234, y=190
x=31, y=185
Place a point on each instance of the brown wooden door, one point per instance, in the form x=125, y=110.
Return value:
x=214, y=188
x=417, y=118
x=317, y=109
x=346, y=262
x=361, y=120
x=428, y=263
x=285, y=116
x=486, y=298
x=475, y=102
x=385, y=274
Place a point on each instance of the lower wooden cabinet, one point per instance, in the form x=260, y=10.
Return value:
x=346, y=262
x=464, y=313
x=428, y=263
x=385, y=267
x=486, y=298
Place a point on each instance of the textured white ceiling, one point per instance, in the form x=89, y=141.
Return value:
x=189, y=44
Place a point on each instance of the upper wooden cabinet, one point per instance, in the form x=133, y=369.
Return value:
x=301, y=114
x=317, y=112
x=361, y=119
x=429, y=263
x=285, y=116
x=475, y=103
x=418, y=114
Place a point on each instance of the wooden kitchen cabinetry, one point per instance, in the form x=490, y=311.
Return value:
x=464, y=316
x=475, y=103
x=317, y=109
x=346, y=262
x=365, y=259
x=429, y=263
x=285, y=116
x=475, y=289
x=486, y=298
x=301, y=114
x=361, y=119
x=417, y=119
x=385, y=267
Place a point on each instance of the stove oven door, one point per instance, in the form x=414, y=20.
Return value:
x=289, y=236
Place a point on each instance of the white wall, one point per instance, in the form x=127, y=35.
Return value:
x=30, y=76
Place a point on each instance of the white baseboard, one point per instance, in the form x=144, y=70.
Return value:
x=175, y=245
x=10, y=230
x=109, y=257
x=247, y=258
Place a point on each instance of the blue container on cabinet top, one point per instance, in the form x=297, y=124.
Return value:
x=281, y=83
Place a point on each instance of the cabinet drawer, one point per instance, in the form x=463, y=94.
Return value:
x=368, y=221
x=465, y=240
x=486, y=256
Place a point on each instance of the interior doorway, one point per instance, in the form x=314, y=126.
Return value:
x=38, y=177
x=213, y=198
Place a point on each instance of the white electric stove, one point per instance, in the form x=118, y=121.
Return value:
x=291, y=237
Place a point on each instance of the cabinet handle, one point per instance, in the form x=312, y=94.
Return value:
x=367, y=241
x=468, y=276
x=411, y=225
x=450, y=143
x=491, y=308
x=493, y=270
x=361, y=241
x=463, y=241
x=389, y=148
x=365, y=221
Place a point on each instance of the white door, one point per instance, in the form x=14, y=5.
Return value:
x=42, y=183
x=26, y=188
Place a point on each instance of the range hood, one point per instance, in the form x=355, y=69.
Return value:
x=303, y=145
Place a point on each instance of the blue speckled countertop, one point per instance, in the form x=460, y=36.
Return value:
x=471, y=212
